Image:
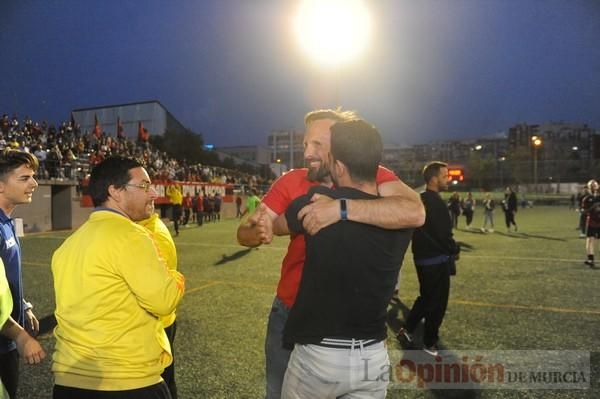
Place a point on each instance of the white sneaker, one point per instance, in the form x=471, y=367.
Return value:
x=405, y=334
x=432, y=350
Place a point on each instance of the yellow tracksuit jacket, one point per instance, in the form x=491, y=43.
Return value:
x=111, y=288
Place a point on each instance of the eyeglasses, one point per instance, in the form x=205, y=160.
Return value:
x=144, y=186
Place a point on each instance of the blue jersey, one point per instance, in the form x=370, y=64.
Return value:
x=10, y=252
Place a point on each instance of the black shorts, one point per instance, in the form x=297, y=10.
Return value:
x=593, y=232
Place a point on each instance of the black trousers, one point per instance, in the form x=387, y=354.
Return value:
x=169, y=374
x=9, y=372
x=468, y=216
x=176, y=217
x=157, y=391
x=434, y=289
x=509, y=218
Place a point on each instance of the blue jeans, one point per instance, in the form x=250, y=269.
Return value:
x=276, y=355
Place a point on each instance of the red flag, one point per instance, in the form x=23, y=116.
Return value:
x=97, y=128
x=120, y=132
x=143, y=134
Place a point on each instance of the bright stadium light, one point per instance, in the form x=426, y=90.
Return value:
x=332, y=32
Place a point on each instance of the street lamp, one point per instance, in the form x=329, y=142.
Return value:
x=477, y=158
x=501, y=162
x=537, y=143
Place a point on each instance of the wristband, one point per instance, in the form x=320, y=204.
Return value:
x=343, y=209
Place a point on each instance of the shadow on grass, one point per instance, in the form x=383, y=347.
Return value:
x=235, y=256
x=465, y=247
x=473, y=230
x=396, y=308
x=544, y=237
x=527, y=236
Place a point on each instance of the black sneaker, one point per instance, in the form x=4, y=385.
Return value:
x=590, y=263
x=403, y=334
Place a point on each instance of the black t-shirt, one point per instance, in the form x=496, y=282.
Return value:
x=438, y=228
x=591, y=207
x=349, y=276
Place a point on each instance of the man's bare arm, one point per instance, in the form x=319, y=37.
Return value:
x=27, y=346
x=280, y=226
x=258, y=228
x=400, y=207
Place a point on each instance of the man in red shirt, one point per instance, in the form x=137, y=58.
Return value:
x=400, y=207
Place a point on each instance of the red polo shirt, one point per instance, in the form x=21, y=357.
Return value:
x=283, y=191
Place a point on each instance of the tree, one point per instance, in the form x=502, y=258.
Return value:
x=520, y=164
x=481, y=169
x=182, y=145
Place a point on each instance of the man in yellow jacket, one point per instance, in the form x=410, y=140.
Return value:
x=112, y=288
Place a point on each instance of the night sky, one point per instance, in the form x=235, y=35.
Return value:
x=233, y=71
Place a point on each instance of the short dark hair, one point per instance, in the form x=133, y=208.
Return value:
x=358, y=145
x=113, y=171
x=13, y=159
x=336, y=115
x=432, y=169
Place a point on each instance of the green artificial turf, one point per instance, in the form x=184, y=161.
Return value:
x=524, y=290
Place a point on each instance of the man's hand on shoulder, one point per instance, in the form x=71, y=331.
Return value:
x=320, y=213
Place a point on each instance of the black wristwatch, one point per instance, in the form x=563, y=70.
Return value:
x=343, y=209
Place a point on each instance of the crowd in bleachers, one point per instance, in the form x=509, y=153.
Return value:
x=67, y=153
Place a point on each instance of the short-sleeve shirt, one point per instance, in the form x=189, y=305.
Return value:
x=283, y=191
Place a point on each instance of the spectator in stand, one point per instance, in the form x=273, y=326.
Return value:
x=54, y=161
x=40, y=154
x=187, y=208
x=454, y=208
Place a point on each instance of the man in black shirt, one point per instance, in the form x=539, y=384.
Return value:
x=434, y=250
x=338, y=320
